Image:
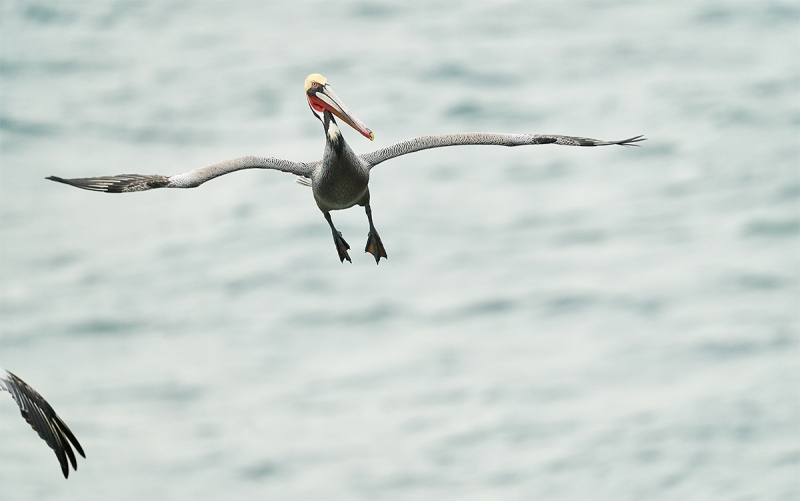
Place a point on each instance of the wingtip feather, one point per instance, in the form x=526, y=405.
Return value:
x=632, y=141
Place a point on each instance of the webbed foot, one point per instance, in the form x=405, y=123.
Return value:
x=375, y=246
x=341, y=246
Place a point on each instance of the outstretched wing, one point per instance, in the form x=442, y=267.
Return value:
x=42, y=418
x=137, y=182
x=483, y=138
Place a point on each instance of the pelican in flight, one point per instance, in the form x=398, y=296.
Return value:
x=42, y=418
x=341, y=179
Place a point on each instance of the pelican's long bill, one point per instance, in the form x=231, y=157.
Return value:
x=321, y=97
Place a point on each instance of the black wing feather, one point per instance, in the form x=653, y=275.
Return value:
x=44, y=420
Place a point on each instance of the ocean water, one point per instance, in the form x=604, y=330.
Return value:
x=551, y=323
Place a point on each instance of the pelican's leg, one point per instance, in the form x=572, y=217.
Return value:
x=374, y=244
x=341, y=245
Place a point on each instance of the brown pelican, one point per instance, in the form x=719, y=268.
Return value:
x=42, y=418
x=341, y=179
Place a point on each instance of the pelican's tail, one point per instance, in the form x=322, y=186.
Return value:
x=302, y=180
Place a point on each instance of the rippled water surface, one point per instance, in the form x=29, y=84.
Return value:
x=552, y=322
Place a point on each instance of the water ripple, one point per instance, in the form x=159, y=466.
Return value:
x=771, y=228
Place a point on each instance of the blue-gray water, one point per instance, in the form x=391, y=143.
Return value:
x=552, y=322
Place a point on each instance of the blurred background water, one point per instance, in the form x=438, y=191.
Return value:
x=552, y=322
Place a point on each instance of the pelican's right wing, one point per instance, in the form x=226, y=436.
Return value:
x=42, y=418
x=483, y=138
x=138, y=182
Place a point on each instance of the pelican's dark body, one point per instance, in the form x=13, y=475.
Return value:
x=342, y=180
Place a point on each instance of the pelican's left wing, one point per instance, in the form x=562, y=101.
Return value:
x=483, y=138
x=125, y=183
x=42, y=418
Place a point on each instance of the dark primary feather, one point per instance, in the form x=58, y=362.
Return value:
x=116, y=184
x=44, y=420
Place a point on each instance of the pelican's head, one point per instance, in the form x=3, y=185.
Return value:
x=321, y=97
